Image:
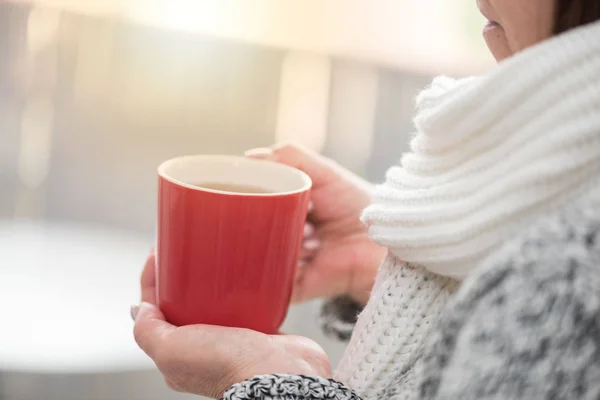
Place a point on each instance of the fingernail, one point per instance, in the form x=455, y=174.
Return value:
x=261, y=152
x=309, y=229
x=133, y=311
x=311, y=244
x=310, y=206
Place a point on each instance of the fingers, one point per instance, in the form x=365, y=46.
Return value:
x=148, y=279
x=310, y=243
x=320, y=169
x=318, y=278
x=150, y=328
x=308, y=252
x=310, y=284
x=260, y=153
x=309, y=230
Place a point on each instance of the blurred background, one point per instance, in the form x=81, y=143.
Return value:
x=94, y=94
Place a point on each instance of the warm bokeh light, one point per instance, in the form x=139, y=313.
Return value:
x=36, y=140
x=188, y=15
x=42, y=28
x=415, y=34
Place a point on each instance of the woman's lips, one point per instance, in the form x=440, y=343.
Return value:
x=491, y=25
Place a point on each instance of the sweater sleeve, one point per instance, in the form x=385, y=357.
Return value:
x=405, y=304
x=289, y=387
x=415, y=298
x=527, y=324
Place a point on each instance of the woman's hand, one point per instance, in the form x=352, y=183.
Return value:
x=207, y=360
x=338, y=258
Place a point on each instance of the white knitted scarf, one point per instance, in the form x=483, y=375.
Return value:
x=492, y=154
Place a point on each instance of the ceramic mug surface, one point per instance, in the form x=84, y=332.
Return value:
x=228, y=239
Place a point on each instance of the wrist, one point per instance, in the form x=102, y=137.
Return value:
x=367, y=260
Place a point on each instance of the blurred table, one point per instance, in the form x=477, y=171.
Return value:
x=65, y=292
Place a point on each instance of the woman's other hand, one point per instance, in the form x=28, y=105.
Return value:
x=207, y=360
x=337, y=257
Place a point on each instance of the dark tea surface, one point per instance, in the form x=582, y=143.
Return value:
x=233, y=188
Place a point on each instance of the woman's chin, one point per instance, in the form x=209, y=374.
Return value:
x=496, y=40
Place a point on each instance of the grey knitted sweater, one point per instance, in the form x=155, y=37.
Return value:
x=524, y=325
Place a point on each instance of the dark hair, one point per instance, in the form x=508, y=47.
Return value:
x=573, y=13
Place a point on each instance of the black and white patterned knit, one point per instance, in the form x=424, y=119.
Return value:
x=338, y=317
x=290, y=387
x=526, y=325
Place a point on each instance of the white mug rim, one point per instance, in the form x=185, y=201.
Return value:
x=304, y=178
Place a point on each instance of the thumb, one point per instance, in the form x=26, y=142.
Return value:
x=321, y=170
x=150, y=328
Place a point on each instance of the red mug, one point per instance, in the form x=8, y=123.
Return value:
x=229, y=235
